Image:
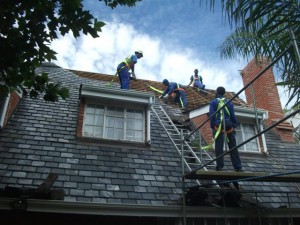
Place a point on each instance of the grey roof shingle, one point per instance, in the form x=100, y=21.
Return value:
x=41, y=139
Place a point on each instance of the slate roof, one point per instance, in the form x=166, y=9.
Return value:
x=41, y=139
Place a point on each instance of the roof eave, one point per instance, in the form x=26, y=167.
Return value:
x=172, y=211
x=117, y=94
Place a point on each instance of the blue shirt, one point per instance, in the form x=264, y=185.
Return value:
x=215, y=120
x=169, y=90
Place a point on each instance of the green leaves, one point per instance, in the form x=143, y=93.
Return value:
x=27, y=28
x=264, y=28
x=115, y=3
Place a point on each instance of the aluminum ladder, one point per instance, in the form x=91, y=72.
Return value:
x=193, y=157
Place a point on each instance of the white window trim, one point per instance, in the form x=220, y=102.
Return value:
x=126, y=96
x=241, y=122
x=106, y=105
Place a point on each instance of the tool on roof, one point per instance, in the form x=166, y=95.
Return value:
x=153, y=88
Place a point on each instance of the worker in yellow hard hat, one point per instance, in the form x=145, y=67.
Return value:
x=126, y=65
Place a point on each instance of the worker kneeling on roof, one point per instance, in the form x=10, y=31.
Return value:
x=224, y=118
x=196, y=81
x=124, y=67
x=177, y=89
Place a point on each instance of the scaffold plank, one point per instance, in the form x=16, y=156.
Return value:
x=243, y=176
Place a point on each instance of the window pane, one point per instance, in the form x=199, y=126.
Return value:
x=130, y=113
x=119, y=134
x=98, y=131
x=99, y=110
x=88, y=130
x=90, y=109
x=138, y=125
x=109, y=133
x=111, y=111
x=138, y=114
x=139, y=135
x=119, y=123
x=110, y=122
x=99, y=120
x=89, y=119
x=130, y=124
x=129, y=135
x=119, y=112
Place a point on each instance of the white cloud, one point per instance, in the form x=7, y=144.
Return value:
x=162, y=58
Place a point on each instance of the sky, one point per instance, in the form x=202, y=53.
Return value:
x=176, y=37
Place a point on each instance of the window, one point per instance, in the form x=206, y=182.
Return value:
x=114, y=114
x=116, y=123
x=244, y=131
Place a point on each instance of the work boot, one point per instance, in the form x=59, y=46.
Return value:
x=238, y=170
x=218, y=168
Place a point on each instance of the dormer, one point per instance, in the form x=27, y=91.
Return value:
x=108, y=114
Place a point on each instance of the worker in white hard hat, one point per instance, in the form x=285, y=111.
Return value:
x=126, y=65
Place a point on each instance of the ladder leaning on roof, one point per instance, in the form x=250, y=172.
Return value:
x=192, y=156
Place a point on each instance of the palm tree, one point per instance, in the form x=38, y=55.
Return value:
x=266, y=28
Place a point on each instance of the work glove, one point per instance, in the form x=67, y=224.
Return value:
x=166, y=96
x=133, y=77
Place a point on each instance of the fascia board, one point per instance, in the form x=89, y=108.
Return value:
x=84, y=208
x=117, y=94
x=250, y=113
x=199, y=111
x=239, y=112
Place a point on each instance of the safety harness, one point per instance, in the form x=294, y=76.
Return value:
x=180, y=89
x=219, y=129
x=127, y=61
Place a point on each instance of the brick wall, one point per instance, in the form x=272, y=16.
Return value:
x=266, y=96
x=205, y=130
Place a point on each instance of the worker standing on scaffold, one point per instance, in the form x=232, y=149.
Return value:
x=224, y=116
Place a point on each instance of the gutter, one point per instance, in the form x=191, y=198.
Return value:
x=171, y=211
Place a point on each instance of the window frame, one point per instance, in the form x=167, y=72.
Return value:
x=104, y=126
x=116, y=97
x=243, y=148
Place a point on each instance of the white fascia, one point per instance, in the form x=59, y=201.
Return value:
x=240, y=112
x=107, y=93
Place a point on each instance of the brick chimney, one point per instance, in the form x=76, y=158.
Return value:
x=266, y=96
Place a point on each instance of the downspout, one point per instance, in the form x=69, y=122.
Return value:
x=149, y=120
x=265, y=116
